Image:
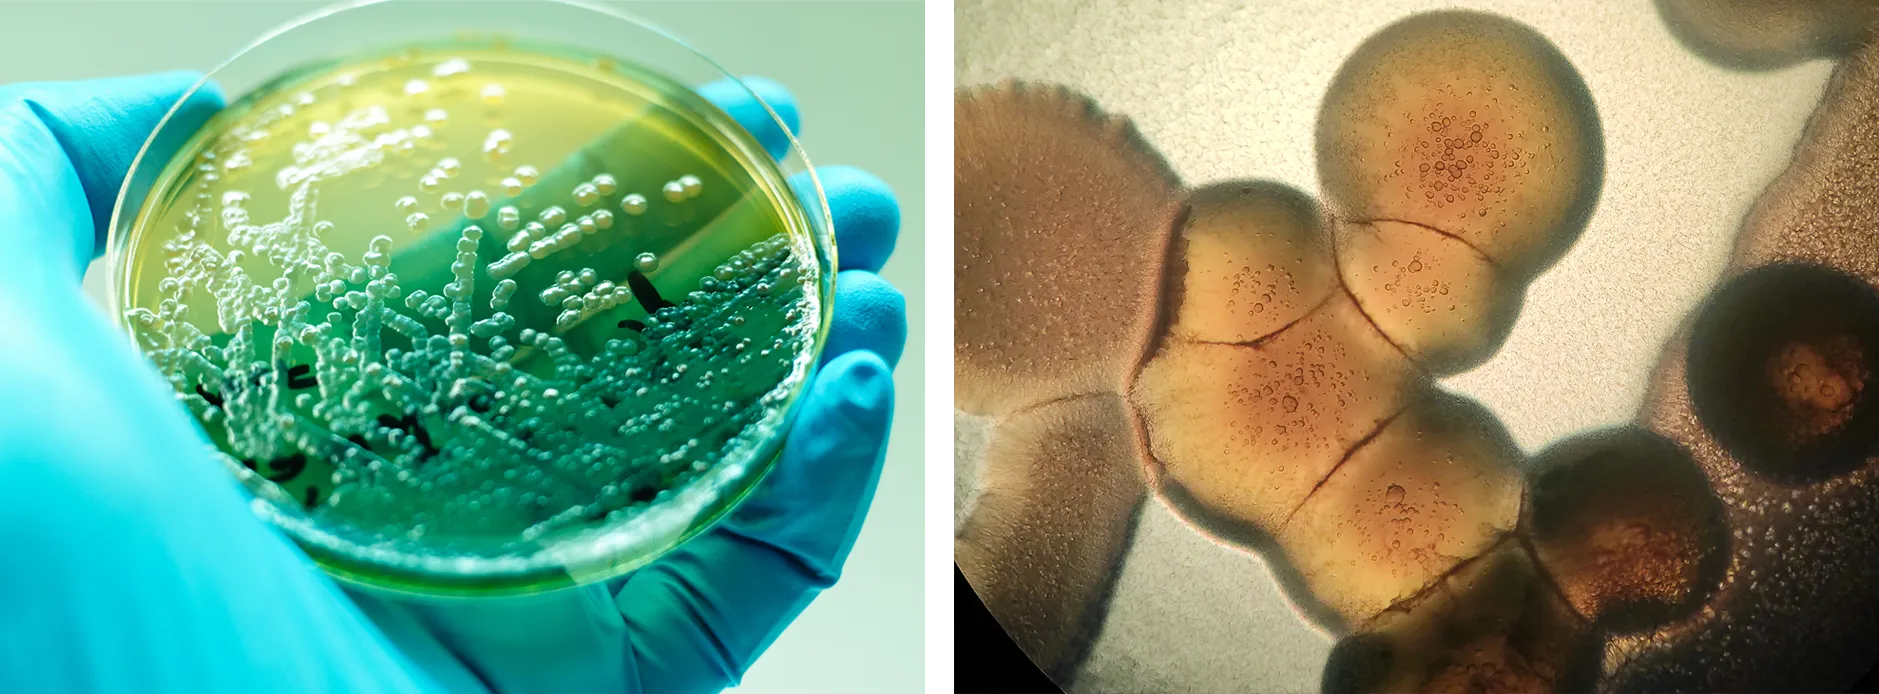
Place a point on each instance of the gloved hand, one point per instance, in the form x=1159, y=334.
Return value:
x=130, y=561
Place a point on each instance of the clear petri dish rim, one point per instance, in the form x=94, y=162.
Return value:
x=660, y=53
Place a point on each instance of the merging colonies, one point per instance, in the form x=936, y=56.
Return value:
x=1771, y=385
x=1291, y=400
x=1284, y=400
x=510, y=372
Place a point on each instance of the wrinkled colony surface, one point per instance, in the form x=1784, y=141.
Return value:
x=477, y=309
x=1055, y=276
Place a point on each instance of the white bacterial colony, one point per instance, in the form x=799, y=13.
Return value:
x=502, y=406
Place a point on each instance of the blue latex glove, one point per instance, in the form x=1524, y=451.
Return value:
x=130, y=561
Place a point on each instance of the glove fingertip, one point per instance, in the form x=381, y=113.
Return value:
x=870, y=314
x=739, y=98
x=780, y=99
x=866, y=216
x=867, y=385
x=206, y=101
x=103, y=124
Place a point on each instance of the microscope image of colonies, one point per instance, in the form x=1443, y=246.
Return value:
x=1770, y=384
x=1063, y=218
x=1264, y=364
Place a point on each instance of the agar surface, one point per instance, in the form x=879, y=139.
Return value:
x=1284, y=400
x=372, y=298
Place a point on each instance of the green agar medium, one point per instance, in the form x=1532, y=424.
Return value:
x=480, y=315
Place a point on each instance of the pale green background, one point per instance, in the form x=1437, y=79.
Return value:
x=856, y=70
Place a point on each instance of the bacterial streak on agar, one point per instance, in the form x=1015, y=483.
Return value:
x=351, y=363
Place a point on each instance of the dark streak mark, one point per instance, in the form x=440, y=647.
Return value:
x=410, y=423
x=285, y=469
x=1372, y=322
x=423, y=435
x=1261, y=341
x=646, y=294
x=313, y=496
x=1437, y=231
x=1546, y=577
x=1356, y=446
x=1337, y=270
x=1404, y=605
x=300, y=377
x=214, y=400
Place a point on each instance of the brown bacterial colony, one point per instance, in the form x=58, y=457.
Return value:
x=1263, y=364
x=1787, y=438
x=1763, y=34
x=1056, y=272
x=1055, y=241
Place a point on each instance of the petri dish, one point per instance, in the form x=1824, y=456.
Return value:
x=478, y=300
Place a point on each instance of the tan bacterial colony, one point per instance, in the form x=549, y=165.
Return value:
x=1264, y=364
x=461, y=308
